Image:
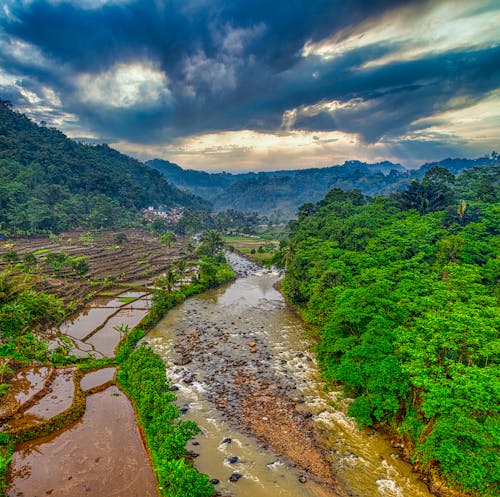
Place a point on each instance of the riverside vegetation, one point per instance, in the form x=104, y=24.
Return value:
x=404, y=294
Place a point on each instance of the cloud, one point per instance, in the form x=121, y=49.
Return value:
x=125, y=86
x=250, y=150
x=415, y=31
x=149, y=74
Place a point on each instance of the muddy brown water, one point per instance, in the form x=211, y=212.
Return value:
x=23, y=387
x=97, y=378
x=59, y=399
x=209, y=336
x=96, y=329
x=91, y=458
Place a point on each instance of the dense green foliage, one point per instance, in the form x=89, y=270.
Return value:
x=405, y=298
x=142, y=375
x=211, y=243
x=21, y=310
x=278, y=194
x=233, y=221
x=6, y=451
x=210, y=274
x=52, y=183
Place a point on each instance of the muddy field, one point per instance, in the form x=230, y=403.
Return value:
x=138, y=257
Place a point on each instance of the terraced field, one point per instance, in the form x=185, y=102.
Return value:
x=138, y=259
x=97, y=329
x=95, y=456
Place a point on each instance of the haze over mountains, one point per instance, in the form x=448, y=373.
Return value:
x=280, y=193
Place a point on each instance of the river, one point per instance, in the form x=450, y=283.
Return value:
x=240, y=360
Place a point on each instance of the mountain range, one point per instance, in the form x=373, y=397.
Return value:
x=279, y=193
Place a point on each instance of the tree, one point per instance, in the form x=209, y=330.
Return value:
x=57, y=260
x=159, y=226
x=29, y=259
x=11, y=286
x=168, y=238
x=181, y=267
x=167, y=281
x=432, y=194
x=121, y=238
x=211, y=243
x=79, y=265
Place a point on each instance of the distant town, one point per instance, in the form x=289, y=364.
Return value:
x=172, y=215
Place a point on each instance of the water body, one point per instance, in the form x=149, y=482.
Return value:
x=240, y=359
x=101, y=455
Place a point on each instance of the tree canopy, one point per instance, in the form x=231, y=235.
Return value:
x=52, y=183
x=405, y=298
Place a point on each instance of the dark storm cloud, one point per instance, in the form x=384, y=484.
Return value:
x=229, y=66
x=395, y=95
x=172, y=34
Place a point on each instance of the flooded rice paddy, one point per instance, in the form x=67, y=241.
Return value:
x=98, y=328
x=101, y=455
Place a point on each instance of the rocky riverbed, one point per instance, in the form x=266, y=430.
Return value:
x=240, y=362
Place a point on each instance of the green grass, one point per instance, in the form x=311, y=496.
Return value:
x=245, y=244
x=127, y=299
x=41, y=251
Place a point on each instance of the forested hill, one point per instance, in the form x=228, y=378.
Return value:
x=282, y=192
x=207, y=185
x=404, y=292
x=49, y=182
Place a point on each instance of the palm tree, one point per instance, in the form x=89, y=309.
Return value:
x=181, y=267
x=10, y=286
x=167, y=281
x=212, y=243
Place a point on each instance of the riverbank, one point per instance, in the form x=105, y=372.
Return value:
x=237, y=358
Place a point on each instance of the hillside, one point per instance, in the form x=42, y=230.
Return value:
x=282, y=192
x=201, y=183
x=50, y=182
x=403, y=293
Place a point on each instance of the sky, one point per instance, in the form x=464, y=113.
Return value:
x=260, y=85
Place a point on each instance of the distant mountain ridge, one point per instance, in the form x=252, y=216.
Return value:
x=282, y=192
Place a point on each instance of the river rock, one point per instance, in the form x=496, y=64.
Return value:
x=214, y=481
x=227, y=440
x=252, y=344
x=233, y=459
x=303, y=479
x=234, y=477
